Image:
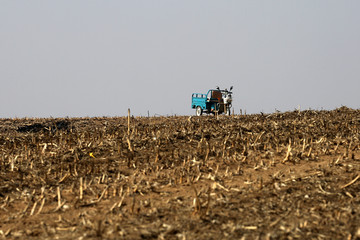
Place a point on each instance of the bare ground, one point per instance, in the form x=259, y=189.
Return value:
x=292, y=175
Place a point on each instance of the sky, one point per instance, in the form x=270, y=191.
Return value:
x=85, y=58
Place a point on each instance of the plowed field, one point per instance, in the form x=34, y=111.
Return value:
x=292, y=175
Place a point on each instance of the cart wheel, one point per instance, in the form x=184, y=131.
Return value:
x=199, y=111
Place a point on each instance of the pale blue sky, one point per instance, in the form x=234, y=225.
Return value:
x=99, y=58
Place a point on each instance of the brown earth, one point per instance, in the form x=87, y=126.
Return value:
x=292, y=175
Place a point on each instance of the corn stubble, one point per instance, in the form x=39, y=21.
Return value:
x=269, y=176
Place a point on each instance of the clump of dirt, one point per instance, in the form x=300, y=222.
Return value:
x=263, y=176
x=46, y=126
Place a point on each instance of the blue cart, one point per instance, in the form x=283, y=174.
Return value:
x=215, y=100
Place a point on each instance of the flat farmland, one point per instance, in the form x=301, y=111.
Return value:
x=292, y=175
